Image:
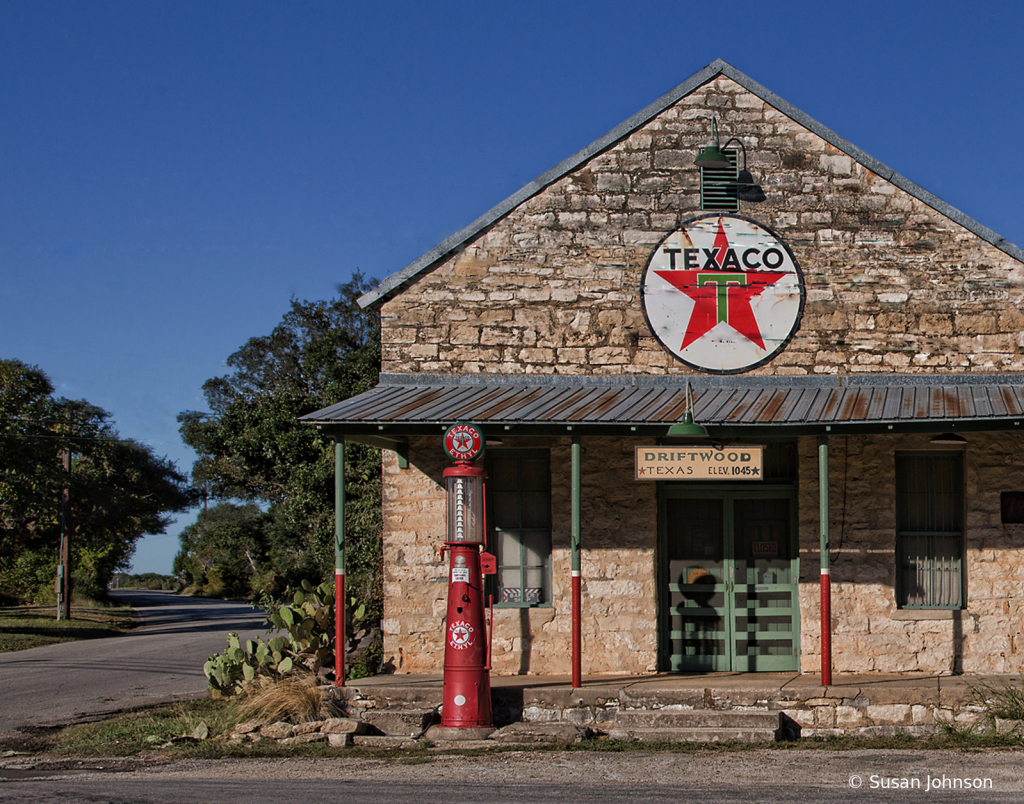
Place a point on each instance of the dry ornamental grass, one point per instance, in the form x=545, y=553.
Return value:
x=293, y=699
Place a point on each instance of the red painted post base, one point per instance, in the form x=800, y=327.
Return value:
x=577, y=678
x=339, y=630
x=826, y=629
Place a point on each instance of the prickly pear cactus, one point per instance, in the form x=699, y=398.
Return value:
x=307, y=644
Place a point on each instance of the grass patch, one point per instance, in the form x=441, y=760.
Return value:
x=23, y=627
x=1004, y=700
x=145, y=730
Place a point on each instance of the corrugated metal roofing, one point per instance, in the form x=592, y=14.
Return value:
x=529, y=402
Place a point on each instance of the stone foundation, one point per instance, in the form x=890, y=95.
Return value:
x=912, y=705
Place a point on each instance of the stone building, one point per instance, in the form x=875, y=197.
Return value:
x=852, y=345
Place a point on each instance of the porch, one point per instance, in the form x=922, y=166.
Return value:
x=866, y=705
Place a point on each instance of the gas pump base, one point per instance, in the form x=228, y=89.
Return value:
x=445, y=733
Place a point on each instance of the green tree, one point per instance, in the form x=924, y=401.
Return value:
x=225, y=552
x=252, y=447
x=120, y=490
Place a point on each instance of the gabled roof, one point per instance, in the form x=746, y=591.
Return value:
x=394, y=283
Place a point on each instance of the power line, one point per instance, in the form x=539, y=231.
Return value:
x=67, y=438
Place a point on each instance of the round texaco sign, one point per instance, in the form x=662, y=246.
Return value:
x=463, y=442
x=461, y=635
x=723, y=294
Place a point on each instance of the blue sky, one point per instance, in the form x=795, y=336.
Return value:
x=172, y=173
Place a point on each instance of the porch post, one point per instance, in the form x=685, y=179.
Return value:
x=826, y=582
x=575, y=546
x=339, y=562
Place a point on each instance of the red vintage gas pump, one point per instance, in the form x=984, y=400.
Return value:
x=467, y=684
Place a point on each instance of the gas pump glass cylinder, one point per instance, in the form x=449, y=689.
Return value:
x=465, y=508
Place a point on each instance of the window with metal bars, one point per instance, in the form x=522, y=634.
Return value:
x=519, y=488
x=929, y=530
x=718, y=187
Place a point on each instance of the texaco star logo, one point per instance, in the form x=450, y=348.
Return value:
x=723, y=294
x=462, y=443
x=461, y=634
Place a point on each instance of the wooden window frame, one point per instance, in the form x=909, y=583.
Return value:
x=930, y=556
x=495, y=586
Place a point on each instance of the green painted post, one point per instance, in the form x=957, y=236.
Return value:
x=577, y=680
x=339, y=562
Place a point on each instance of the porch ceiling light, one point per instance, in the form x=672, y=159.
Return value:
x=687, y=426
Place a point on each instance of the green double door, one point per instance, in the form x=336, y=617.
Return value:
x=729, y=579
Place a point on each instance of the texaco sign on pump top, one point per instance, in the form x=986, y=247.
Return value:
x=463, y=442
x=723, y=294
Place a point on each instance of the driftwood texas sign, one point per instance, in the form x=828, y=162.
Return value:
x=723, y=294
x=699, y=463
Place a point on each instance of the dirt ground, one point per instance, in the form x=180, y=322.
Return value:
x=1000, y=771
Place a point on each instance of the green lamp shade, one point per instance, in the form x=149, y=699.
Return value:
x=687, y=427
x=711, y=156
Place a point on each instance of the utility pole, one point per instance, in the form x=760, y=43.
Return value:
x=64, y=565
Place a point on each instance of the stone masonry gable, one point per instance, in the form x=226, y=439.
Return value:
x=396, y=281
x=553, y=286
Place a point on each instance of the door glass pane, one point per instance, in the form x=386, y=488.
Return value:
x=503, y=475
x=535, y=547
x=697, y=604
x=509, y=550
x=534, y=474
x=511, y=585
x=536, y=509
x=762, y=541
x=506, y=509
x=765, y=595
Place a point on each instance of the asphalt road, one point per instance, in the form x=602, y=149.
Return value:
x=742, y=777
x=159, y=661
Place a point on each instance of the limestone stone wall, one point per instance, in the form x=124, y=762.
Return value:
x=619, y=525
x=553, y=287
x=869, y=632
x=618, y=521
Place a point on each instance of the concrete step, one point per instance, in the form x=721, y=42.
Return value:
x=701, y=735
x=523, y=733
x=398, y=722
x=411, y=696
x=382, y=741
x=697, y=725
x=696, y=719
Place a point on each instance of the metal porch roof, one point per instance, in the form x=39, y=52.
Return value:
x=528, y=405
